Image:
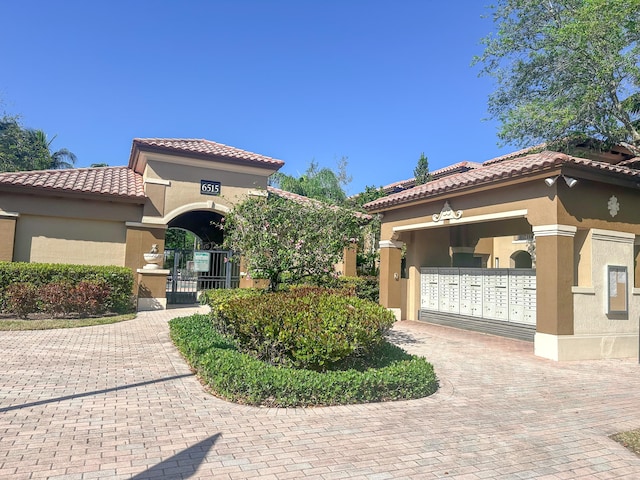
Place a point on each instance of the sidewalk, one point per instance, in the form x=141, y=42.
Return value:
x=118, y=401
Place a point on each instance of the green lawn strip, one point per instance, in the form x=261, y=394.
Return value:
x=241, y=378
x=53, y=323
x=630, y=440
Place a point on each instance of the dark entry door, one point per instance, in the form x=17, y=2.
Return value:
x=193, y=271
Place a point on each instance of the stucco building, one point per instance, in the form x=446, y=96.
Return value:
x=541, y=246
x=114, y=215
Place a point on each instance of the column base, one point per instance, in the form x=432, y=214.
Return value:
x=585, y=347
x=152, y=286
x=397, y=312
x=147, y=304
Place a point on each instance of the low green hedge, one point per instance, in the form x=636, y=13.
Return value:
x=306, y=327
x=118, y=279
x=365, y=287
x=388, y=373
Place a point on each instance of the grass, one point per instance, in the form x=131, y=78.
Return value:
x=630, y=440
x=13, y=324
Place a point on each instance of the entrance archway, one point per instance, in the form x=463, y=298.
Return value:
x=202, y=223
x=201, y=265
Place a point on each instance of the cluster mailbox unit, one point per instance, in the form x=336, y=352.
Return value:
x=502, y=294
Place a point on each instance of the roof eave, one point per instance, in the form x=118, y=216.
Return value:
x=56, y=192
x=137, y=148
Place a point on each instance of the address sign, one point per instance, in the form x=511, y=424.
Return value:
x=209, y=187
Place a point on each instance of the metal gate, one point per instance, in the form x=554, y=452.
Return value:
x=193, y=271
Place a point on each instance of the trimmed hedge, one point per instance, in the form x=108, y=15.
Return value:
x=119, y=281
x=392, y=373
x=306, y=327
x=365, y=287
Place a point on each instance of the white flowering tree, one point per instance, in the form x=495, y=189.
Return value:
x=282, y=239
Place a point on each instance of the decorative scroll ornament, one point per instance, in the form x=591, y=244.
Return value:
x=614, y=206
x=446, y=213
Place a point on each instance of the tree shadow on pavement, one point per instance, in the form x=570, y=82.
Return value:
x=396, y=337
x=183, y=464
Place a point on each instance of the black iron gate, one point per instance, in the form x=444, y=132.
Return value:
x=193, y=271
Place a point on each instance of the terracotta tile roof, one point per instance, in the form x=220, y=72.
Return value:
x=498, y=170
x=205, y=148
x=116, y=182
x=306, y=200
x=451, y=169
x=517, y=153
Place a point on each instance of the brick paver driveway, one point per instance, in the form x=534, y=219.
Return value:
x=117, y=401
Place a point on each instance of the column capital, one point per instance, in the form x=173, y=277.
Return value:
x=554, y=231
x=391, y=244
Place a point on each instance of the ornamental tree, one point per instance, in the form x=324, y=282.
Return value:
x=565, y=69
x=421, y=172
x=283, y=240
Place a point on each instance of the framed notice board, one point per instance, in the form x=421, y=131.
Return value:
x=617, y=288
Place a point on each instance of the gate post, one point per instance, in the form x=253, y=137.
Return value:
x=390, y=285
x=152, y=286
x=227, y=270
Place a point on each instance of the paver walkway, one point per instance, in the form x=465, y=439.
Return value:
x=117, y=401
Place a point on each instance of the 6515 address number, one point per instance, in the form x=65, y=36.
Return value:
x=209, y=187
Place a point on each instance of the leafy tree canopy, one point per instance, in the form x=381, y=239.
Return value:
x=565, y=69
x=369, y=194
x=286, y=240
x=23, y=149
x=320, y=183
x=421, y=172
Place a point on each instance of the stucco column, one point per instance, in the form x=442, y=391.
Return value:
x=349, y=261
x=554, y=279
x=150, y=285
x=390, y=286
x=7, y=235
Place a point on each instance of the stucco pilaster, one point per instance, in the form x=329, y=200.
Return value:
x=554, y=278
x=7, y=235
x=390, y=263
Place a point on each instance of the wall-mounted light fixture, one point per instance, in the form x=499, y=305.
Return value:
x=570, y=181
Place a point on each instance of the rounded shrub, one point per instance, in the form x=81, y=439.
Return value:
x=306, y=328
x=387, y=373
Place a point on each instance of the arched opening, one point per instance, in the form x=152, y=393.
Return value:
x=195, y=258
x=203, y=224
x=521, y=259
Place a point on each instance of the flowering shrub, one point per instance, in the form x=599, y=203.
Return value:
x=286, y=240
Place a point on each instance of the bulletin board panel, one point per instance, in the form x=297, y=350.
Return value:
x=617, y=291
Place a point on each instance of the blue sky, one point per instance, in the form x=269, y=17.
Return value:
x=378, y=82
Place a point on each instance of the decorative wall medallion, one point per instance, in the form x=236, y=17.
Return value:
x=446, y=213
x=614, y=206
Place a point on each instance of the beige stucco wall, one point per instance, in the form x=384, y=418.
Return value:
x=504, y=248
x=607, y=248
x=541, y=209
x=183, y=185
x=74, y=206
x=69, y=240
